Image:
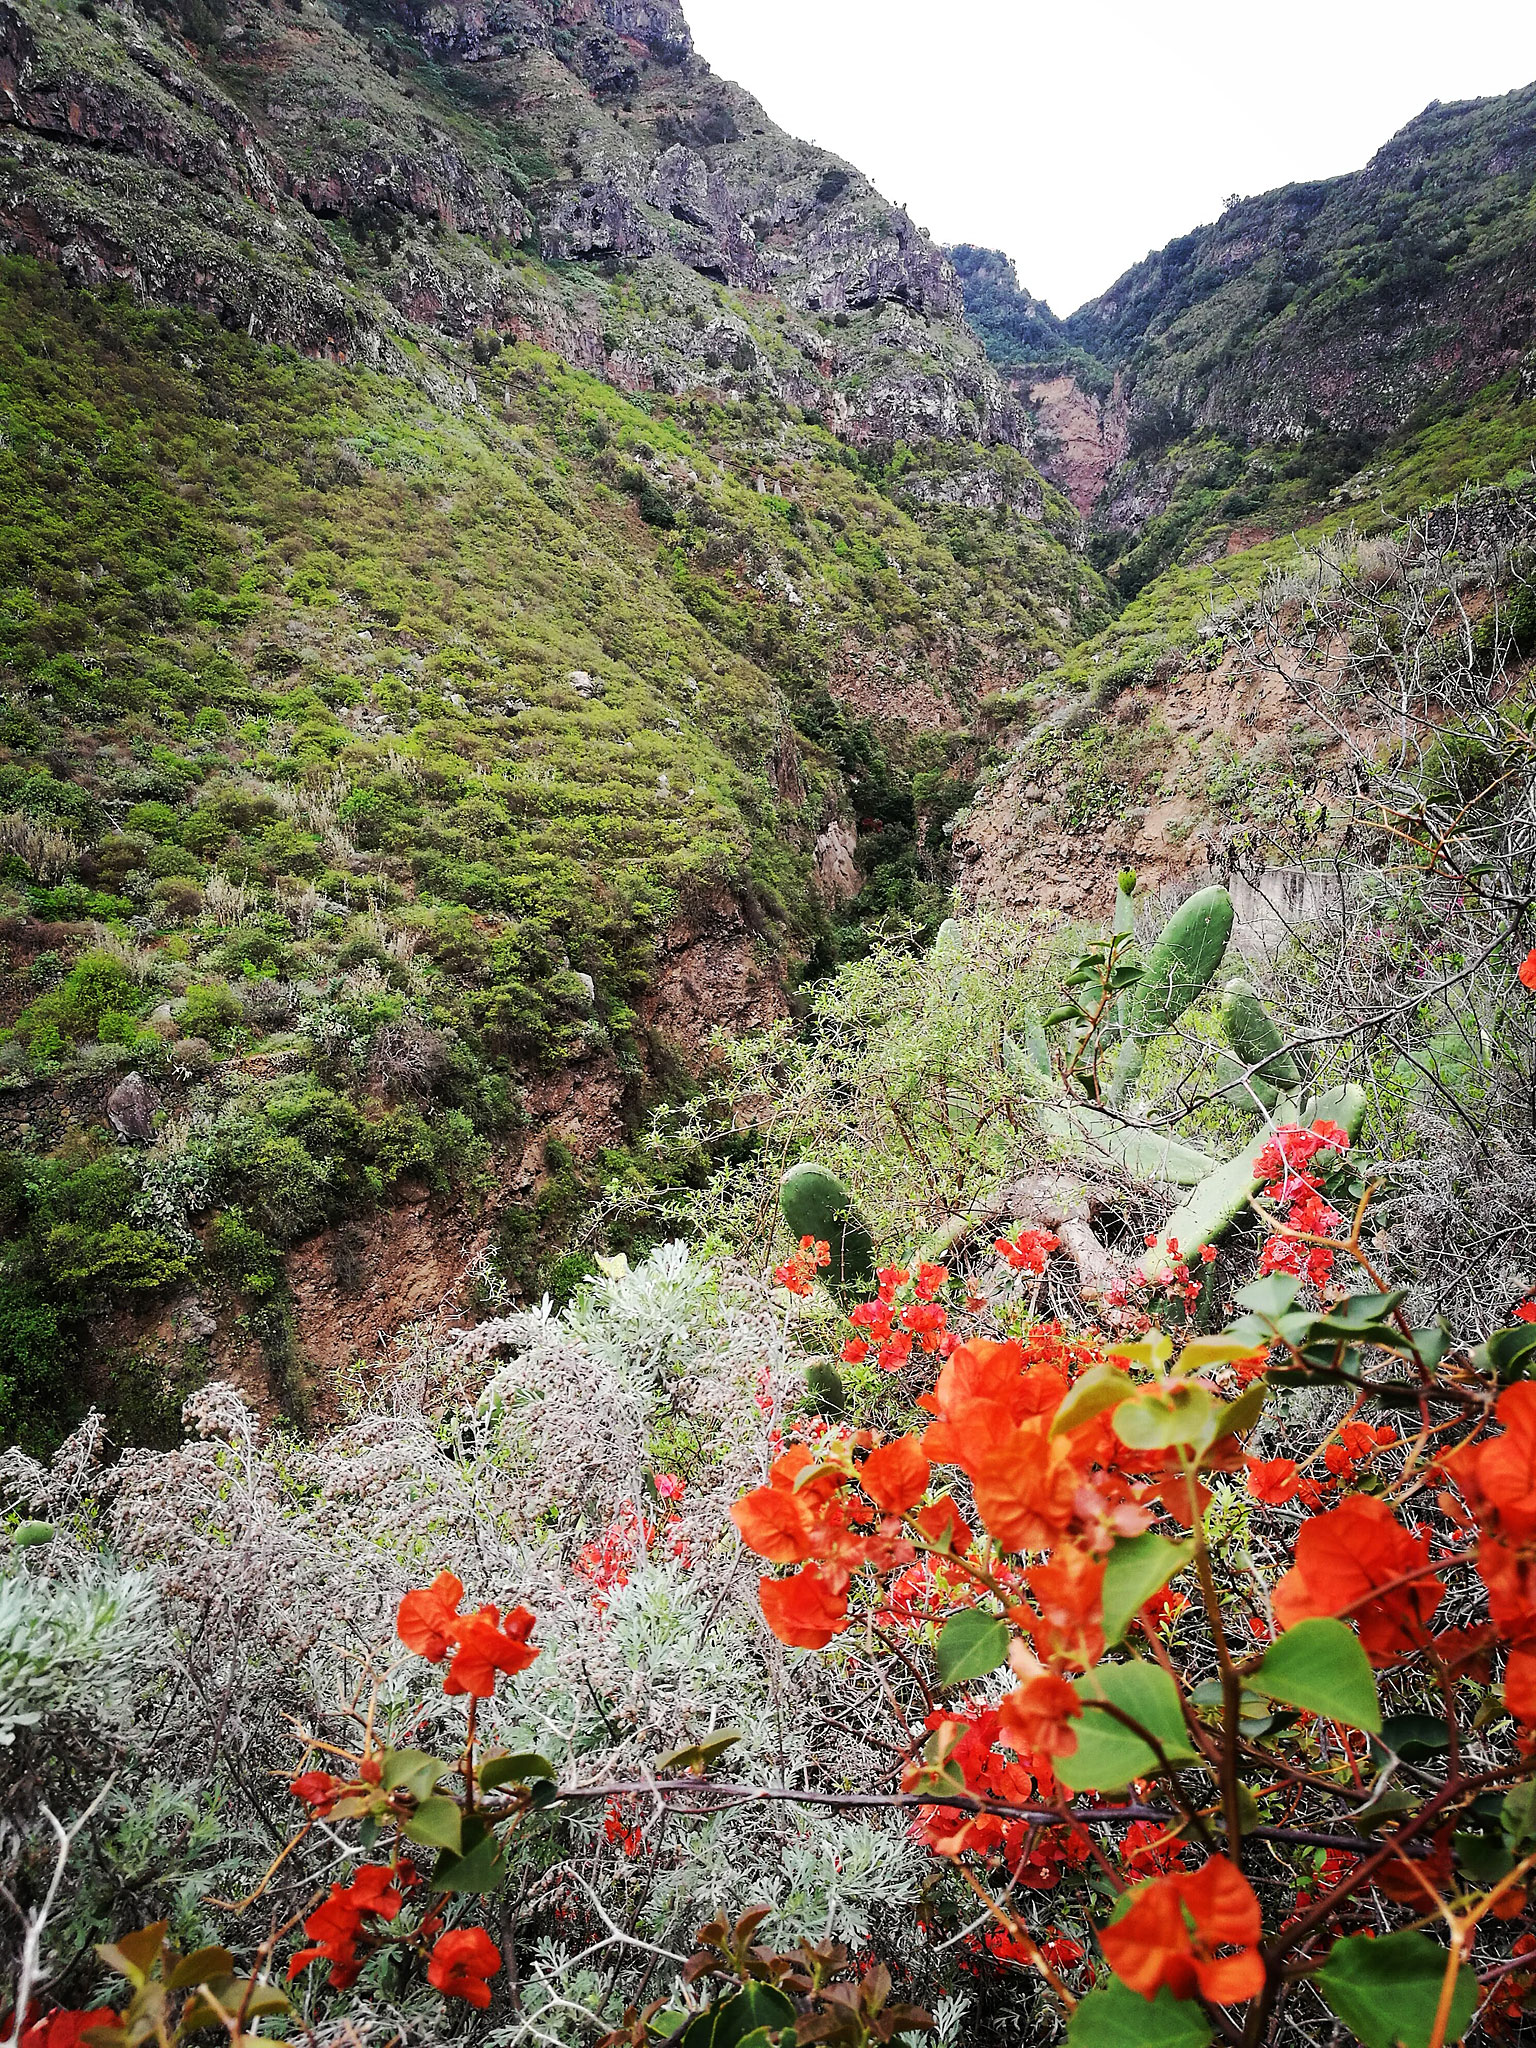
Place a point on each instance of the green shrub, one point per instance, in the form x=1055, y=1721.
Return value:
x=244, y=1254
x=210, y=1011
x=97, y=984
x=153, y=821
x=39, y=1386
x=77, y=1255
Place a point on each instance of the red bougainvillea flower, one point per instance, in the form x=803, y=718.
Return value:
x=337, y=1922
x=62, y=2029
x=462, y=1960
x=1498, y=1478
x=808, y=1609
x=428, y=1621
x=1526, y=1312
x=1272, y=1480
x=1069, y=1592
x=318, y=1790
x=1520, y=1684
x=1038, y=1716
x=488, y=1645
x=1527, y=969
x=1174, y=1929
x=787, y=1522
x=1341, y=1556
x=896, y=1476
x=941, y=1522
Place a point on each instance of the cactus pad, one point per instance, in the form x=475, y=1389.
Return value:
x=816, y=1204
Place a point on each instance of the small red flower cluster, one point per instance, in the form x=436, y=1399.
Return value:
x=798, y=1272
x=1286, y=1162
x=968, y=1745
x=629, y=1835
x=344, y=1929
x=1525, y=973
x=1027, y=1251
x=483, y=1643
x=629, y=1538
x=1274, y=1481
x=1497, y=1480
x=894, y=1327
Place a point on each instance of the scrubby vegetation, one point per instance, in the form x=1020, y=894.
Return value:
x=1131, y=1643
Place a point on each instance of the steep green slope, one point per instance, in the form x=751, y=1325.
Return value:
x=360, y=748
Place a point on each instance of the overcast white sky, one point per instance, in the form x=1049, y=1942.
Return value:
x=1079, y=134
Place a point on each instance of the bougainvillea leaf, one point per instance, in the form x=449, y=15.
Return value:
x=970, y=1645
x=1135, y=1569
x=1117, y=2017
x=1386, y=1989
x=1108, y=1753
x=1319, y=1666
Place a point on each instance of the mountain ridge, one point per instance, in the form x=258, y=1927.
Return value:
x=1334, y=307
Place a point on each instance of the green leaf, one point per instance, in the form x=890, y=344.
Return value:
x=1510, y=1354
x=1359, y=1313
x=134, y=1955
x=1386, y=1989
x=438, y=1824
x=1414, y=1737
x=413, y=1771
x=1103, y=1387
x=203, y=2012
x=200, y=1966
x=938, y=1775
x=698, y=1756
x=970, y=1645
x=1271, y=1296
x=1118, y=2017
x=1431, y=1344
x=481, y=1868
x=728, y=2024
x=514, y=1770
x=1135, y=1569
x=1152, y=1352
x=1200, y=1352
x=1483, y=1857
x=1108, y=1754
x=1319, y=1666
x=1241, y=1415
x=1517, y=1816
x=1156, y=1418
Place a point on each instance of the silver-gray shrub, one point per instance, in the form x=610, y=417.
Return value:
x=199, y=1606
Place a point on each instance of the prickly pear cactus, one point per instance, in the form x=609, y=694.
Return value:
x=1262, y=1071
x=815, y=1204
x=1179, y=969
x=824, y=1386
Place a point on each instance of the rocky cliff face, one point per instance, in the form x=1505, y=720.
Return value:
x=1328, y=309
x=339, y=177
